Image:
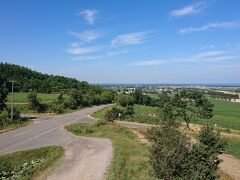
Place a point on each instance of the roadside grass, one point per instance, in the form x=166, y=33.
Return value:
x=16, y=125
x=233, y=146
x=13, y=161
x=130, y=156
x=143, y=114
x=100, y=114
x=21, y=97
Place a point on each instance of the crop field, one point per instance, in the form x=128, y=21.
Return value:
x=21, y=97
x=226, y=115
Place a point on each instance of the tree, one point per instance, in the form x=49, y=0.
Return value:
x=32, y=99
x=174, y=157
x=169, y=153
x=138, y=96
x=204, y=158
x=162, y=100
x=75, y=99
x=125, y=100
x=3, y=94
x=192, y=105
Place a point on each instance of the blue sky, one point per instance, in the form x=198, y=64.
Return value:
x=137, y=41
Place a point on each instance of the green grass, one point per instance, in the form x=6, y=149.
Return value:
x=226, y=108
x=130, y=157
x=226, y=115
x=233, y=146
x=101, y=113
x=49, y=154
x=16, y=125
x=143, y=114
x=21, y=97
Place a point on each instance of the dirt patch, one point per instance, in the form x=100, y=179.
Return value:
x=140, y=136
x=230, y=165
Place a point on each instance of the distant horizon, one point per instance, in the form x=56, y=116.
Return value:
x=174, y=84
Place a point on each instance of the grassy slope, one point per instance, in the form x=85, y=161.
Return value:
x=233, y=147
x=50, y=154
x=21, y=97
x=130, y=157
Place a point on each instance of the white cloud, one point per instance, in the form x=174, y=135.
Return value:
x=187, y=10
x=86, y=58
x=148, y=63
x=77, y=49
x=215, y=25
x=90, y=15
x=87, y=36
x=202, y=57
x=113, y=53
x=130, y=39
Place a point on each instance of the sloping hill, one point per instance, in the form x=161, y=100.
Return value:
x=29, y=79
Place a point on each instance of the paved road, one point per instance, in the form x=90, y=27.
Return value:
x=85, y=158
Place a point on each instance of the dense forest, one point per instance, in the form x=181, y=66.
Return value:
x=28, y=79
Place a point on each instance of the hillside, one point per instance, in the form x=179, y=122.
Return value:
x=29, y=79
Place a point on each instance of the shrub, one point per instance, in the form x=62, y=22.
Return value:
x=125, y=100
x=4, y=118
x=83, y=128
x=210, y=137
x=114, y=114
x=169, y=153
x=172, y=156
x=100, y=122
x=129, y=111
x=57, y=108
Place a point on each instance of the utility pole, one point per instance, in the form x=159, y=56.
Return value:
x=12, y=99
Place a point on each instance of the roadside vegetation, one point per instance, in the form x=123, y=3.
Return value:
x=28, y=164
x=233, y=146
x=130, y=156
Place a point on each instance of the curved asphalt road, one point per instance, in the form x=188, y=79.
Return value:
x=85, y=158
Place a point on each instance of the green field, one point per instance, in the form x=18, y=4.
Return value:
x=130, y=157
x=226, y=115
x=28, y=164
x=21, y=97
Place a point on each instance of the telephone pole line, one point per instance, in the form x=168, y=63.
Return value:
x=12, y=81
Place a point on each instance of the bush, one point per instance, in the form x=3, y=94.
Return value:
x=125, y=100
x=4, y=118
x=129, y=111
x=57, y=108
x=173, y=157
x=113, y=114
x=169, y=153
x=210, y=137
x=100, y=122
x=83, y=128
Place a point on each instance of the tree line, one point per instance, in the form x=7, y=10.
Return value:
x=28, y=79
